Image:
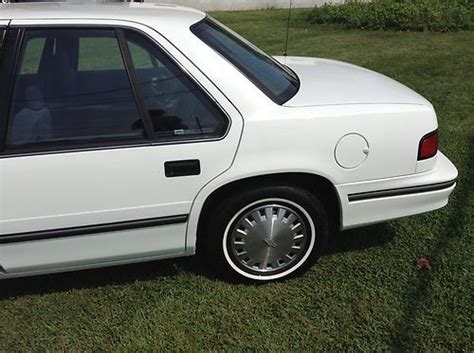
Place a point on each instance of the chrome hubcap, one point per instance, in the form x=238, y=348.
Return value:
x=268, y=238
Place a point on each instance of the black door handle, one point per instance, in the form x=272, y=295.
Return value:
x=182, y=168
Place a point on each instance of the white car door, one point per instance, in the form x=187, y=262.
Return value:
x=108, y=142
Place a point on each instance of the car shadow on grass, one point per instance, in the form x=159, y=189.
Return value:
x=360, y=239
x=418, y=297
x=353, y=240
x=93, y=278
x=100, y=277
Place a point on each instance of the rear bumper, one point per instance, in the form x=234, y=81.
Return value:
x=376, y=201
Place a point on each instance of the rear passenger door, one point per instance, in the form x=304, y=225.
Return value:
x=108, y=137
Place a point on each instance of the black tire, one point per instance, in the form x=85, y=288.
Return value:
x=212, y=239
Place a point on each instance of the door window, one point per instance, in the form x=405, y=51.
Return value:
x=72, y=88
x=177, y=106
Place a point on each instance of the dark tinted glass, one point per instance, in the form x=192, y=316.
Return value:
x=2, y=34
x=178, y=108
x=275, y=80
x=71, y=88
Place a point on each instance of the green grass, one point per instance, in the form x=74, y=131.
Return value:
x=364, y=294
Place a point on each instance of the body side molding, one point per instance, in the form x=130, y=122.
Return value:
x=91, y=229
x=362, y=196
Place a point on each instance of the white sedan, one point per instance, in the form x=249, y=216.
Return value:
x=136, y=132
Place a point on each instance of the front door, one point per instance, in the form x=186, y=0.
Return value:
x=107, y=143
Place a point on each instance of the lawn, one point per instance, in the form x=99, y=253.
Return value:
x=364, y=294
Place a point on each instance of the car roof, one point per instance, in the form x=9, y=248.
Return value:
x=162, y=14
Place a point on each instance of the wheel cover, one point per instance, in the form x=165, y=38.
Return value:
x=268, y=238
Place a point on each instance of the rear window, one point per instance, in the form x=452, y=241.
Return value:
x=274, y=79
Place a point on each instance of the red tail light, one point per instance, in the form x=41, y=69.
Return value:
x=428, y=146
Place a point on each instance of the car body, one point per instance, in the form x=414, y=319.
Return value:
x=101, y=165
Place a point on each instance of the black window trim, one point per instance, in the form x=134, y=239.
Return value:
x=13, y=47
x=8, y=69
x=134, y=84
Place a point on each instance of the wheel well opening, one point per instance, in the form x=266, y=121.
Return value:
x=315, y=184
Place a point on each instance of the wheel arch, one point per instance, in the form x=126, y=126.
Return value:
x=314, y=183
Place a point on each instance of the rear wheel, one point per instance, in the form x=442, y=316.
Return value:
x=265, y=234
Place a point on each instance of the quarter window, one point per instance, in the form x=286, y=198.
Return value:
x=72, y=87
x=177, y=107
